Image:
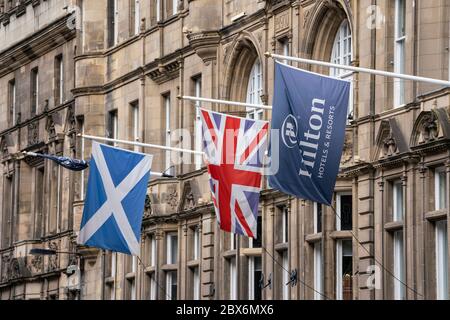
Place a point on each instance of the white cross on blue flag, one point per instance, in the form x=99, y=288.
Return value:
x=115, y=199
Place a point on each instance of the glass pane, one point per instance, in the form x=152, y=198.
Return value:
x=346, y=212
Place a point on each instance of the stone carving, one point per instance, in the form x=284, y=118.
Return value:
x=429, y=127
x=33, y=133
x=172, y=196
x=147, y=206
x=36, y=264
x=6, y=263
x=389, y=145
x=347, y=153
x=53, y=259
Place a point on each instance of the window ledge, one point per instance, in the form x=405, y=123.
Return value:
x=251, y=251
x=229, y=253
x=169, y=267
x=393, y=226
x=311, y=238
x=150, y=269
x=130, y=276
x=436, y=215
x=109, y=280
x=193, y=263
x=342, y=234
x=281, y=246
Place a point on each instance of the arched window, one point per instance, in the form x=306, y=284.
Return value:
x=342, y=54
x=254, y=90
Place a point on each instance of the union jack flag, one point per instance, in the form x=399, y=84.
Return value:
x=234, y=148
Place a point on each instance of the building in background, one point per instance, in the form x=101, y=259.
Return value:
x=115, y=68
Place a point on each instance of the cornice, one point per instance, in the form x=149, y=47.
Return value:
x=36, y=45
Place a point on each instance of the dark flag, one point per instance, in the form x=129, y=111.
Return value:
x=68, y=163
x=310, y=112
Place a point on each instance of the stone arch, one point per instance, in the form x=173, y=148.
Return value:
x=430, y=127
x=244, y=51
x=325, y=19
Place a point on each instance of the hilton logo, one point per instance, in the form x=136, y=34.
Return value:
x=289, y=131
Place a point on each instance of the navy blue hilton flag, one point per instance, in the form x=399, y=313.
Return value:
x=310, y=112
x=66, y=162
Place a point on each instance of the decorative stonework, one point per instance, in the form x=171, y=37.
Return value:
x=33, y=133
x=347, y=153
x=166, y=72
x=389, y=140
x=205, y=44
x=190, y=196
x=172, y=196
x=53, y=259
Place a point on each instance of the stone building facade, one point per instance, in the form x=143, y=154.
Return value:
x=115, y=68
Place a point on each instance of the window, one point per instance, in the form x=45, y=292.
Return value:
x=254, y=277
x=342, y=54
x=344, y=211
x=130, y=289
x=82, y=155
x=399, y=52
x=344, y=270
x=318, y=271
x=317, y=217
x=155, y=11
x=135, y=17
x=171, y=285
x=233, y=278
x=285, y=224
x=55, y=198
x=135, y=122
x=153, y=287
x=196, y=283
x=171, y=8
x=196, y=244
x=111, y=266
x=12, y=102
x=39, y=203
x=172, y=248
x=167, y=128
x=441, y=260
x=198, y=123
x=254, y=91
x=285, y=275
x=233, y=241
x=113, y=22
x=7, y=204
x=397, y=201
x=284, y=48
x=440, y=189
x=34, y=91
x=59, y=80
x=399, y=266
x=152, y=255
x=113, y=130
x=256, y=243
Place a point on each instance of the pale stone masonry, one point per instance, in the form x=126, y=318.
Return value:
x=115, y=68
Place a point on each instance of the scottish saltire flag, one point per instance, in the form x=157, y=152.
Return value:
x=115, y=199
x=234, y=149
x=66, y=162
x=310, y=112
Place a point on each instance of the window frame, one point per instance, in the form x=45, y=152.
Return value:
x=399, y=51
x=399, y=265
x=253, y=96
x=339, y=209
x=198, y=124
x=441, y=254
x=437, y=184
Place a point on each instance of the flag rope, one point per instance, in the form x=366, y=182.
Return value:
x=375, y=258
x=360, y=69
x=156, y=281
x=298, y=278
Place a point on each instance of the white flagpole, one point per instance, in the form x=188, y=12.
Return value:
x=140, y=144
x=359, y=69
x=231, y=103
x=156, y=174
